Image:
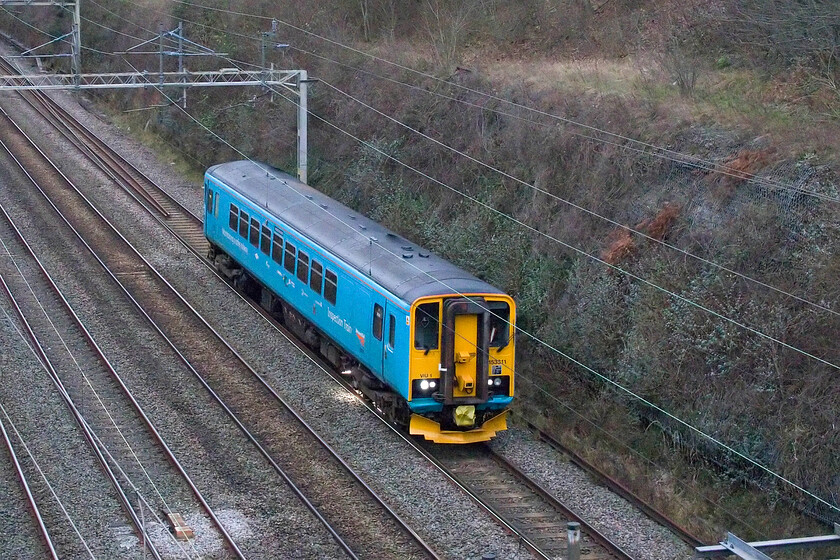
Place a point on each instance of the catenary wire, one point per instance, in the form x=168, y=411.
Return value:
x=543, y=191
x=577, y=250
x=648, y=148
x=44, y=477
x=51, y=36
x=619, y=225
x=756, y=332
x=696, y=163
x=599, y=375
x=577, y=206
x=66, y=395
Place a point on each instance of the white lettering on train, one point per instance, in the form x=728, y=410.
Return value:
x=234, y=240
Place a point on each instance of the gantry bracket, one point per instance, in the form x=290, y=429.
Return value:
x=759, y=550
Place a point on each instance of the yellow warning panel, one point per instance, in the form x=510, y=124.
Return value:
x=429, y=429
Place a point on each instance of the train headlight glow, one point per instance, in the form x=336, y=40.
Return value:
x=489, y=382
x=424, y=388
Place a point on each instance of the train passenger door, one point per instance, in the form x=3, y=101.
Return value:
x=210, y=197
x=377, y=350
x=390, y=364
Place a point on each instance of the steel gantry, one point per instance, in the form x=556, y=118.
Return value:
x=292, y=81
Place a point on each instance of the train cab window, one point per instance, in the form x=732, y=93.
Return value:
x=392, y=330
x=254, y=237
x=426, y=326
x=315, y=279
x=234, y=217
x=499, y=324
x=265, y=241
x=209, y=199
x=289, y=261
x=378, y=315
x=303, y=267
x=277, y=247
x=331, y=286
x=243, y=224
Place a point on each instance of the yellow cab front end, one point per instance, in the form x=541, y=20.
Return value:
x=461, y=366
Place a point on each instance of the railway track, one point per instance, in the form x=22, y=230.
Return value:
x=537, y=518
x=520, y=505
x=127, y=443
x=309, y=467
x=540, y=518
x=43, y=532
x=184, y=224
x=615, y=486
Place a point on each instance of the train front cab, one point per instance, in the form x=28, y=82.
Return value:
x=462, y=364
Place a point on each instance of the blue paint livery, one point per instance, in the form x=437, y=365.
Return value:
x=372, y=266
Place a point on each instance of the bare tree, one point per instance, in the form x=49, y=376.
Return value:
x=799, y=31
x=681, y=66
x=446, y=21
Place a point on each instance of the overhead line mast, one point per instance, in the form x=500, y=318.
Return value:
x=295, y=81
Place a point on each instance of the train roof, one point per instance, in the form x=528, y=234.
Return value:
x=404, y=269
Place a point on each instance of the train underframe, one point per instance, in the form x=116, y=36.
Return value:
x=392, y=405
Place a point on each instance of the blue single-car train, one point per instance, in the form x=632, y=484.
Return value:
x=430, y=344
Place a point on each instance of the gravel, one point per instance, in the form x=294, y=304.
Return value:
x=50, y=433
x=236, y=484
x=446, y=519
x=450, y=522
x=606, y=511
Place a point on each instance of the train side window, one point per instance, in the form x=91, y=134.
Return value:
x=243, y=224
x=378, y=314
x=289, y=261
x=316, y=277
x=234, y=217
x=426, y=326
x=331, y=286
x=277, y=248
x=209, y=200
x=265, y=241
x=392, y=330
x=255, y=232
x=216, y=207
x=499, y=324
x=303, y=267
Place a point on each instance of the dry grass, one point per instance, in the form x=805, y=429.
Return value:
x=597, y=76
x=661, y=224
x=621, y=247
x=744, y=166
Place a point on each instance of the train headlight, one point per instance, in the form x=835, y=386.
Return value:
x=497, y=382
x=489, y=382
x=424, y=388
